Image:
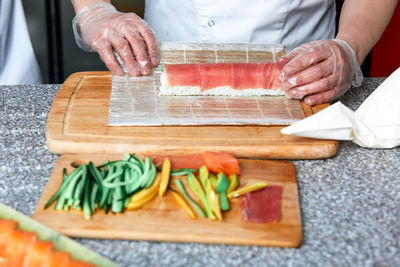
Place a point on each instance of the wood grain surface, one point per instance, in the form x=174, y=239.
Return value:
x=77, y=123
x=164, y=220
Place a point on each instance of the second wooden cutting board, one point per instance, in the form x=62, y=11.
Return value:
x=164, y=220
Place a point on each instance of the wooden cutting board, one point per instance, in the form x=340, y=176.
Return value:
x=77, y=123
x=164, y=220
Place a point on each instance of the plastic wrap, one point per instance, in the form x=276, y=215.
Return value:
x=179, y=53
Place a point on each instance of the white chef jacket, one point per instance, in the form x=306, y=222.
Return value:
x=18, y=64
x=288, y=22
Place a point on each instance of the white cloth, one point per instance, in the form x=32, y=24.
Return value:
x=288, y=22
x=375, y=124
x=18, y=64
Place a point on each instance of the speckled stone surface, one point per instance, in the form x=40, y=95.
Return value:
x=350, y=204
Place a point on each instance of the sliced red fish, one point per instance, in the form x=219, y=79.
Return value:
x=248, y=75
x=221, y=162
x=262, y=206
x=236, y=75
x=188, y=74
x=214, y=75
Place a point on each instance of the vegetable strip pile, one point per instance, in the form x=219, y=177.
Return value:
x=108, y=186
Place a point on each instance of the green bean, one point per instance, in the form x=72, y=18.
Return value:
x=78, y=192
x=106, y=192
x=71, y=187
x=143, y=181
x=135, y=177
x=93, y=197
x=86, y=201
x=109, y=178
x=109, y=201
x=152, y=175
x=67, y=180
x=117, y=203
x=122, y=163
x=96, y=175
x=72, y=180
x=117, y=184
x=139, y=161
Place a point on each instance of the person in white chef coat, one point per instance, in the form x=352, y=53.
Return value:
x=18, y=64
x=319, y=68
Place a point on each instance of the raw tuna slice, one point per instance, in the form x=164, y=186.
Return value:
x=249, y=75
x=213, y=75
x=262, y=206
x=221, y=79
x=183, y=73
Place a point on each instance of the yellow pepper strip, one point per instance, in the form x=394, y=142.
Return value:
x=165, y=174
x=233, y=183
x=197, y=189
x=247, y=189
x=181, y=201
x=214, y=180
x=145, y=195
x=213, y=200
x=203, y=175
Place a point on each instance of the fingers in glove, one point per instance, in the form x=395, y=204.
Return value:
x=106, y=54
x=321, y=85
x=295, y=53
x=150, y=40
x=310, y=75
x=139, y=49
x=305, y=59
x=123, y=48
x=322, y=97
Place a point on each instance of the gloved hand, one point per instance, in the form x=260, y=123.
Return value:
x=320, y=71
x=100, y=27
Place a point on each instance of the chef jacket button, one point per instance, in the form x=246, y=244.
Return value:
x=211, y=23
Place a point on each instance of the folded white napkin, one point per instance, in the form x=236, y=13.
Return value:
x=375, y=124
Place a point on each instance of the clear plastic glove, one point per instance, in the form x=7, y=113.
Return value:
x=100, y=27
x=320, y=71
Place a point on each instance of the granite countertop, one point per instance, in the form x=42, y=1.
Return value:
x=350, y=204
